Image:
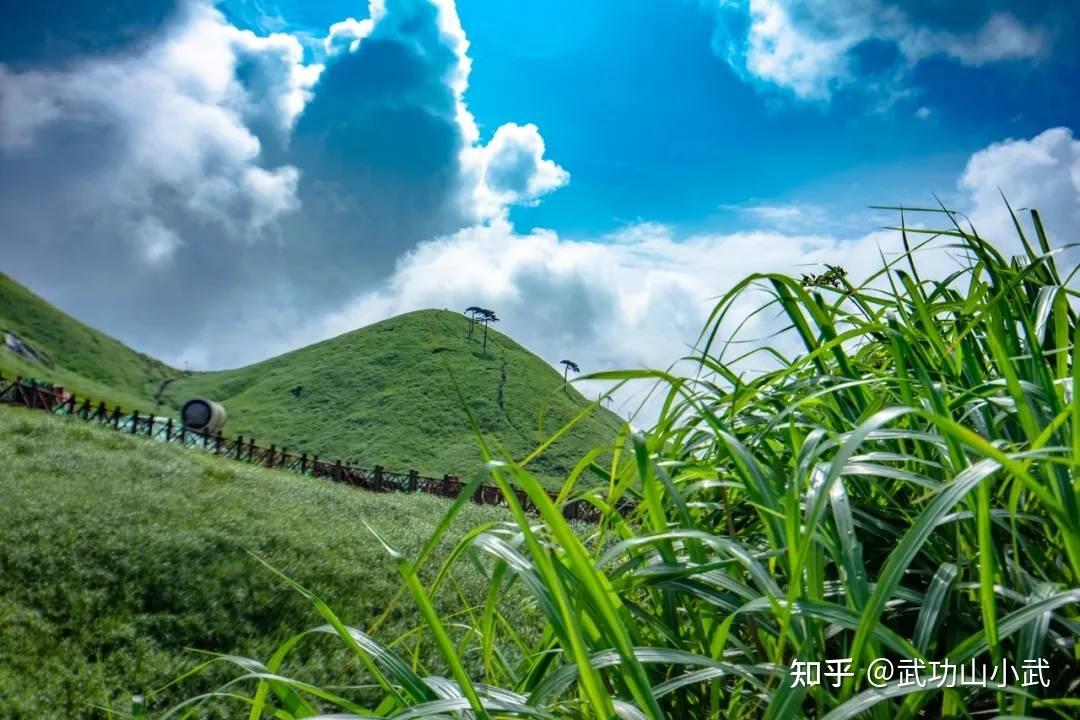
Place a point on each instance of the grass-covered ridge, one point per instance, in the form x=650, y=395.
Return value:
x=117, y=553
x=384, y=394
x=78, y=357
x=905, y=488
x=381, y=394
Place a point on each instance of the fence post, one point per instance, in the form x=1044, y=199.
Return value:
x=270, y=456
x=168, y=431
x=102, y=412
x=150, y=427
x=377, y=475
x=217, y=443
x=239, y=445
x=314, y=465
x=251, y=450
x=134, y=420
x=84, y=412
x=303, y=464
x=71, y=404
x=337, y=470
x=445, y=484
x=284, y=457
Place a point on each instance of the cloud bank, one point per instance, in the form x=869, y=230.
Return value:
x=813, y=47
x=639, y=297
x=206, y=156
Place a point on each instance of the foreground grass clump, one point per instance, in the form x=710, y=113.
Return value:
x=904, y=487
x=117, y=554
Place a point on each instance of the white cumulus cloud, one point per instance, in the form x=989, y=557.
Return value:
x=186, y=123
x=1042, y=172
x=637, y=298
x=807, y=46
x=511, y=169
x=1001, y=37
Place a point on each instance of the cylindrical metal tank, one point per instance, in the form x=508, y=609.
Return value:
x=203, y=415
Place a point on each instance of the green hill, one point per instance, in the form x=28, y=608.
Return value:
x=118, y=554
x=381, y=394
x=73, y=354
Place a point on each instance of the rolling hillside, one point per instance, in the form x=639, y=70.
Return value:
x=381, y=394
x=121, y=558
x=73, y=354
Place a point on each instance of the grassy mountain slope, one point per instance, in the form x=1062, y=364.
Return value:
x=117, y=554
x=79, y=357
x=384, y=394
x=378, y=395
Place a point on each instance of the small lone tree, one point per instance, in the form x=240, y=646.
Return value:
x=568, y=365
x=473, y=312
x=487, y=317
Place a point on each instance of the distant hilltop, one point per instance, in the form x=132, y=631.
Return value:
x=381, y=394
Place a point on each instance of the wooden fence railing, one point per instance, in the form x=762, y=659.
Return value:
x=41, y=396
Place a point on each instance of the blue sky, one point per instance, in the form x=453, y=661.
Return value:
x=597, y=170
x=633, y=99
x=674, y=133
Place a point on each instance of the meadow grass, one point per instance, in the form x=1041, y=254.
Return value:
x=123, y=561
x=904, y=487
